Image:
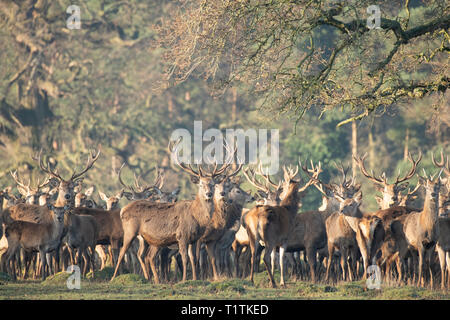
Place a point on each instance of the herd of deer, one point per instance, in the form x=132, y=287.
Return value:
x=208, y=235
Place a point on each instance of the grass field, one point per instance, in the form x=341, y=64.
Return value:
x=132, y=286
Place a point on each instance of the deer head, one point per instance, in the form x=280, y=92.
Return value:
x=139, y=191
x=58, y=212
x=391, y=191
x=81, y=198
x=5, y=194
x=164, y=196
x=112, y=202
x=66, y=193
x=349, y=206
x=347, y=187
x=444, y=197
x=30, y=194
x=168, y=196
x=268, y=191
x=445, y=167
x=236, y=194
x=205, y=180
x=432, y=184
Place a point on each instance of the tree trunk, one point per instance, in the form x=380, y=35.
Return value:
x=354, y=148
x=406, y=149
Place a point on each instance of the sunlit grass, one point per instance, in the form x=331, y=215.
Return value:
x=132, y=286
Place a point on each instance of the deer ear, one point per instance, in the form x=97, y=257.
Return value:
x=128, y=195
x=218, y=179
x=403, y=186
x=89, y=191
x=195, y=179
x=103, y=196
x=422, y=180
x=22, y=191
x=358, y=197
x=379, y=188
x=77, y=188
x=379, y=201
x=78, y=182
x=54, y=183
x=120, y=194
x=176, y=191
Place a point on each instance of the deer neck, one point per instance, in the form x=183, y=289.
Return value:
x=429, y=214
x=441, y=202
x=219, y=214
x=202, y=210
x=290, y=202
x=58, y=227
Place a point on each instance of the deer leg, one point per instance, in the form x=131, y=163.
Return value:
x=330, y=259
x=420, y=277
x=10, y=253
x=441, y=255
x=266, y=259
x=43, y=264
x=447, y=259
x=272, y=260
x=128, y=237
x=398, y=262
x=141, y=252
x=192, y=258
x=152, y=253
x=183, y=248
x=311, y=254
x=344, y=257
x=428, y=256
x=282, y=252
x=253, y=246
x=210, y=248
x=237, y=255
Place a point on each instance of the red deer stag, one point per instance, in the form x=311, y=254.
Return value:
x=182, y=222
x=30, y=194
x=443, y=245
x=391, y=191
x=420, y=229
x=219, y=221
x=273, y=226
x=43, y=237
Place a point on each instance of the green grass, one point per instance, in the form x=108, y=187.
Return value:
x=132, y=286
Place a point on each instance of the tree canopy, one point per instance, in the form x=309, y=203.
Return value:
x=304, y=54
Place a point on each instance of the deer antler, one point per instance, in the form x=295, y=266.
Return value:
x=47, y=169
x=360, y=161
x=91, y=160
x=441, y=164
x=253, y=181
x=173, y=149
x=412, y=171
x=317, y=182
x=313, y=174
x=266, y=177
x=345, y=183
x=19, y=182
